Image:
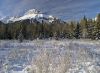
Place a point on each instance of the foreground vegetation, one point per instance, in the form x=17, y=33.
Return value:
x=50, y=56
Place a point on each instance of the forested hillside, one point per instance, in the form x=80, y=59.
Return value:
x=33, y=29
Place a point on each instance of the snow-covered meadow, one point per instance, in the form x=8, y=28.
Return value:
x=50, y=56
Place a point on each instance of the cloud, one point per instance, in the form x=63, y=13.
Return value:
x=61, y=8
x=2, y=16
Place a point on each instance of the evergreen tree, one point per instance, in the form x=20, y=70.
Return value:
x=84, y=27
x=78, y=31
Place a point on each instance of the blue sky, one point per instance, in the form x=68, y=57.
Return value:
x=65, y=9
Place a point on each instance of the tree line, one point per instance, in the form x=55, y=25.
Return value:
x=32, y=29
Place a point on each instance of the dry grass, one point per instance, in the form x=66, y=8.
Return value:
x=47, y=63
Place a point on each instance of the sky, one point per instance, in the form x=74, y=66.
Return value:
x=64, y=9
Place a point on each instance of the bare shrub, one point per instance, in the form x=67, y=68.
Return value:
x=46, y=62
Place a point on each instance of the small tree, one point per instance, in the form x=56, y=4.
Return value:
x=20, y=37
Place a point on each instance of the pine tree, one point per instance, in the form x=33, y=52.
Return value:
x=78, y=31
x=84, y=27
x=98, y=27
x=20, y=36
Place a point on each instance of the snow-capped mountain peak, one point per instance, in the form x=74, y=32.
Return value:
x=33, y=14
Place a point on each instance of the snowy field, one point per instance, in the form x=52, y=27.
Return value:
x=50, y=56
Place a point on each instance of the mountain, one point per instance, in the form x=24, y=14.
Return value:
x=31, y=14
